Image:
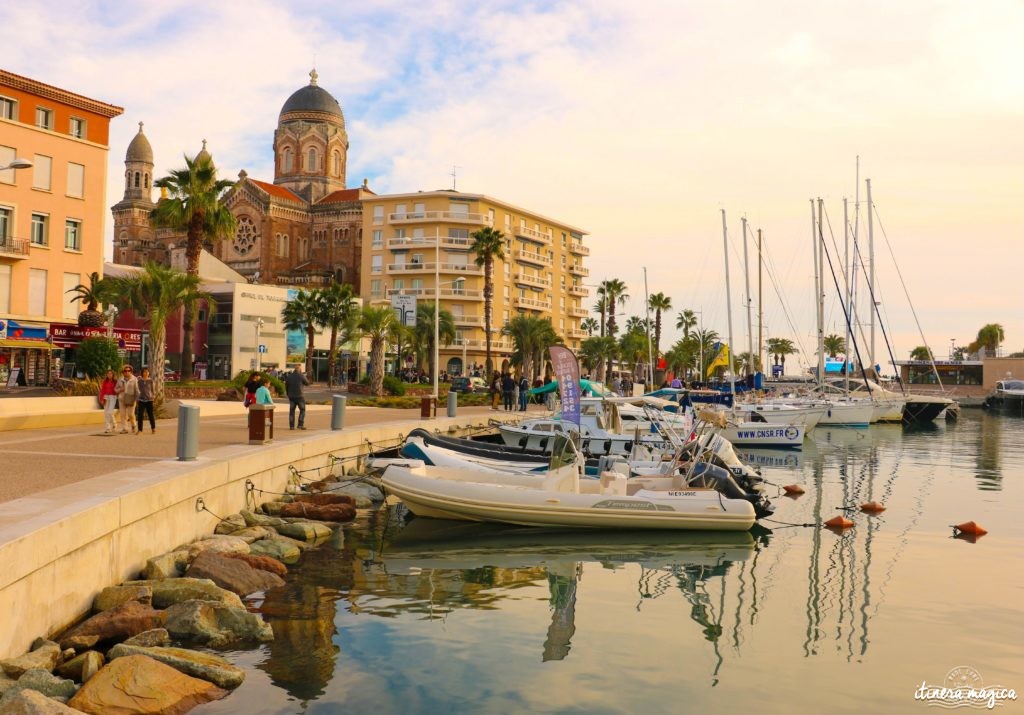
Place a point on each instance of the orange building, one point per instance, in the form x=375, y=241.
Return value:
x=51, y=215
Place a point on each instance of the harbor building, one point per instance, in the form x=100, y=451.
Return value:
x=52, y=215
x=418, y=244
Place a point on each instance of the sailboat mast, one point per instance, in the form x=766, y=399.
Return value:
x=814, y=262
x=760, y=304
x=871, y=277
x=846, y=290
x=728, y=306
x=746, y=280
x=819, y=242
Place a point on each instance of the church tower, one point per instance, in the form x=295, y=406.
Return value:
x=133, y=236
x=310, y=143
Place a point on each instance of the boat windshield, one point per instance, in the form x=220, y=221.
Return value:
x=564, y=451
x=1012, y=385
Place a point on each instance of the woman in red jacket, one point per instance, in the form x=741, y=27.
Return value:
x=108, y=399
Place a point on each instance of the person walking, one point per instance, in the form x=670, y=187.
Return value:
x=251, y=385
x=508, y=388
x=294, y=382
x=495, y=389
x=108, y=400
x=524, y=392
x=263, y=392
x=127, y=390
x=145, y=405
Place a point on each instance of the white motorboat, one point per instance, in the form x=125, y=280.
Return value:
x=781, y=413
x=1008, y=396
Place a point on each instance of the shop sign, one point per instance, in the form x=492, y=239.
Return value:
x=25, y=331
x=66, y=335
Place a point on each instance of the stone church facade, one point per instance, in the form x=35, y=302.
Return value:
x=302, y=229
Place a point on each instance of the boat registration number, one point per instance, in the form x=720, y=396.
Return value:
x=682, y=494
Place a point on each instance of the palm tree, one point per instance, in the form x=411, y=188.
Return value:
x=780, y=348
x=400, y=335
x=376, y=324
x=990, y=336
x=614, y=292
x=155, y=294
x=91, y=296
x=921, y=352
x=636, y=324
x=633, y=348
x=336, y=309
x=658, y=302
x=747, y=363
x=424, y=331
x=834, y=344
x=589, y=324
x=194, y=206
x=597, y=353
x=531, y=337
x=301, y=313
x=685, y=320
x=682, y=355
x=488, y=245
x=601, y=306
x=704, y=341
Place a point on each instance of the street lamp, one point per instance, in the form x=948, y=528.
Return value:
x=952, y=347
x=111, y=316
x=18, y=163
x=259, y=326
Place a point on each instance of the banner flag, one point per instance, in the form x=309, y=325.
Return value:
x=721, y=360
x=567, y=372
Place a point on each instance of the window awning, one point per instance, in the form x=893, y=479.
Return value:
x=37, y=344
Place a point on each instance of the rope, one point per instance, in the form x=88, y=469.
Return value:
x=786, y=524
x=201, y=507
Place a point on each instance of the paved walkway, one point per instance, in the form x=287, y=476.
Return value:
x=37, y=460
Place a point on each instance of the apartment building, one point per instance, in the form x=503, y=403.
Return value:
x=51, y=215
x=419, y=244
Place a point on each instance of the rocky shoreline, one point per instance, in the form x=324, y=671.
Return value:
x=134, y=652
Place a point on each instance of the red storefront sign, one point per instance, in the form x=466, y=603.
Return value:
x=65, y=335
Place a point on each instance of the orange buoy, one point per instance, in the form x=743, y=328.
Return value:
x=872, y=507
x=839, y=522
x=969, y=527
x=793, y=489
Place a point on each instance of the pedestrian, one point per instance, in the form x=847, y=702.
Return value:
x=108, y=400
x=263, y=392
x=524, y=392
x=495, y=390
x=508, y=388
x=294, y=382
x=251, y=385
x=515, y=394
x=145, y=406
x=127, y=390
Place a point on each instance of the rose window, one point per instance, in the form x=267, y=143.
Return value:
x=245, y=236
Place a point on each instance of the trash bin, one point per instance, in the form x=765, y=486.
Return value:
x=261, y=424
x=428, y=408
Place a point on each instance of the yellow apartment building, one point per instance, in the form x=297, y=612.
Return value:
x=405, y=235
x=51, y=216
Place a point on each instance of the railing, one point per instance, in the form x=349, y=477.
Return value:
x=577, y=333
x=531, y=303
x=533, y=280
x=579, y=249
x=533, y=235
x=476, y=320
x=579, y=271
x=430, y=242
x=452, y=293
x=474, y=344
x=528, y=257
x=579, y=291
x=451, y=216
x=11, y=247
x=470, y=269
x=579, y=312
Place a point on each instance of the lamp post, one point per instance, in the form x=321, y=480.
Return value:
x=111, y=316
x=259, y=326
x=18, y=163
x=952, y=347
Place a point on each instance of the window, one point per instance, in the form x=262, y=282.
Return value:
x=417, y=234
x=378, y=238
x=6, y=222
x=8, y=108
x=417, y=284
x=336, y=162
x=137, y=177
x=286, y=161
x=6, y=157
x=458, y=233
x=44, y=118
x=459, y=209
x=77, y=128
x=37, y=291
x=377, y=264
x=311, y=162
x=71, y=309
x=399, y=285
x=76, y=180
x=417, y=259
x=490, y=216
x=40, y=230
x=419, y=210
x=41, y=178
x=399, y=233
x=400, y=209
x=73, y=235
x=378, y=215
x=5, y=288
x=507, y=292
x=375, y=288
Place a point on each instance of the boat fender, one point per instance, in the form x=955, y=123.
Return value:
x=793, y=489
x=872, y=507
x=970, y=528
x=839, y=522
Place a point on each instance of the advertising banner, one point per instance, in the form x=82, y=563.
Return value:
x=68, y=335
x=567, y=372
x=295, y=340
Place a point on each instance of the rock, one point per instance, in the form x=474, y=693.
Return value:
x=364, y=492
x=254, y=519
x=233, y=574
x=264, y=563
x=139, y=684
x=253, y=533
x=207, y=666
x=273, y=508
x=215, y=624
x=218, y=544
x=67, y=654
x=120, y=622
x=320, y=512
x=32, y=702
x=279, y=549
x=326, y=498
x=230, y=525
x=306, y=531
x=151, y=638
x=5, y=683
x=79, y=644
x=167, y=592
x=82, y=667
x=116, y=595
x=170, y=565
x=45, y=656
x=42, y=681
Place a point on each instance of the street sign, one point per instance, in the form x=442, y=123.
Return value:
x=405, y=309
x=263, y=348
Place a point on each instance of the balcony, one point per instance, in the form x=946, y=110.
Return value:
x=579, y=249
x=497, y=346
x=534, y=258
x=527, y=279
x=531, y=303
x=579, y=291
x=579, y=312
x=472, y=320
x=16, y=248
x=439, y=216
x=468, y=269
x=427, y=242
x=447, y=293
x=577, y=333
x=532, y=235
x=579, y=271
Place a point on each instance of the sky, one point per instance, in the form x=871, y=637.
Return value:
x=639, y=122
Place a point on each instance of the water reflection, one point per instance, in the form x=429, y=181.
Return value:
x=989, y=449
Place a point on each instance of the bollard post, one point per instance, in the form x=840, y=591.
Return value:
x=453, y=403
x=188, y=433
x=338, y=412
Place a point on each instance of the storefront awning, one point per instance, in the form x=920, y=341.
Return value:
x=37, y=344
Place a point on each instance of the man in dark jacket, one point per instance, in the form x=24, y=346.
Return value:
x=508, y=390
x=293, y=383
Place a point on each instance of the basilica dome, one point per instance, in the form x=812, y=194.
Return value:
x=312, y=102
x=139, y=149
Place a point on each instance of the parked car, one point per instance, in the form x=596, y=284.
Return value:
x=468, y=384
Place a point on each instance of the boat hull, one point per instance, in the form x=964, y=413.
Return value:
x=764, y=434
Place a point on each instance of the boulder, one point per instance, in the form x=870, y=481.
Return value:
x=264, y=563
x=82, y=667
x=273, y=508
x=218, y=544
x=5, y=683
x=32, y=702
x=42, y=681
x=45, y=655
x=252, y=533
x=326, y=498
x=232, y=574
x=79, y=644
x=139, y=684
x=254, y=519
x=215, y=624
x=320, y=512
x=169, y=565
x=151, y=638
x=365, y=492
x=116, y=595
x=167, y=592
x=305, y=530
x=120, y=622
x=230, y=524
x=207, y=666
x=279, y=549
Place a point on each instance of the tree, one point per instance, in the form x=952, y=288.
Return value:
x=489, y=246
x=685, y=320
x=636, y=324
x=155, y=294
x=682, y=356
x=531, y=337
x=746, y=363
x=597, y=353
x=615, y=296
x=336, y=310
x=589, y=324
x=921, y=352
x=780, y=348
x=194, y=206
x=95, y=355
x=601, y=307
x=834, y=344
x=376, y=324
x=300, y=313
x=400, y=335
x=704, y=341
x=990, y=336
x=91, y=296
x=424, y=331
x=658, y=302
x=633, y=348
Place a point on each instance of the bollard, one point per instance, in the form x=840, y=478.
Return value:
x=453, y=403
x=338, y=412
x=188, y=433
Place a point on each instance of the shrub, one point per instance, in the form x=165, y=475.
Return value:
x=276, y=384
x=393, y=386
x=96, y=355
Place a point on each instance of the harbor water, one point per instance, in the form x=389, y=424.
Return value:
x=426, y=616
